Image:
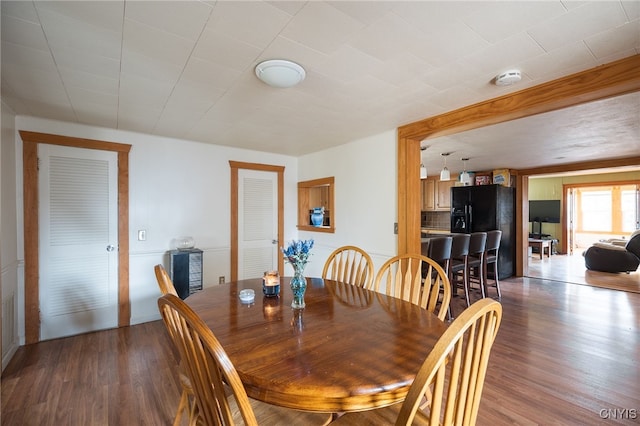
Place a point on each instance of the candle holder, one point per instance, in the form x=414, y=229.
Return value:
x=271, y=284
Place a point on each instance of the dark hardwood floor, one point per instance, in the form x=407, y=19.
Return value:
x=566, y=354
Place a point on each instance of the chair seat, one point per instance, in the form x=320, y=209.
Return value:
x=474, y=260
x=457, y=265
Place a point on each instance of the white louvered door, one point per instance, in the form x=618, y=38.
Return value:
x=78, y=240
x=257, y=223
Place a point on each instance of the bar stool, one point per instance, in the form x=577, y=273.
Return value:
x=475, y=261
x=440, y=251
x=458, y=263
x=491, y=258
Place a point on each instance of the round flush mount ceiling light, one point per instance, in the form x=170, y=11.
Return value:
x=508, y=77
x=280, y=73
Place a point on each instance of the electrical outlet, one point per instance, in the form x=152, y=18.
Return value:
x=142, y=235
x=395, y=228
x=221, y=279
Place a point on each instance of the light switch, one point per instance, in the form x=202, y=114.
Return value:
x=142, y=235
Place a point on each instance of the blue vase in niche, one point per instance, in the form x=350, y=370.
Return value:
x=317, y=217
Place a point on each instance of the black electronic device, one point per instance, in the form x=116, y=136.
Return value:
x=186, y=271
x=544, y=211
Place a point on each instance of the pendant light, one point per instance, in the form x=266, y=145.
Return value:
x=444, y=174
x=423, y=168
x=465, y=178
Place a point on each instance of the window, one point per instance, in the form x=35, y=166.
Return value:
x=629, y=203
x=595, y=210
x=608, y=209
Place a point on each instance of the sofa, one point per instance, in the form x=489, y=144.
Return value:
x=614, y=256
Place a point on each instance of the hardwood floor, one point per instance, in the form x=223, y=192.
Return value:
x=571, y=269
x=565, y=354
x=122, y=376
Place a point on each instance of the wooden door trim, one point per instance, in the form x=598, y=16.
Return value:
x=30, y=141
x=235, y=166
x=605, y=81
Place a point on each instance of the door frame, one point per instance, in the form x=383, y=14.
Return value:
x=30, y=141
x=235, y=167
x=604, y=81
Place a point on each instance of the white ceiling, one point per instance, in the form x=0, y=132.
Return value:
x=185, y=69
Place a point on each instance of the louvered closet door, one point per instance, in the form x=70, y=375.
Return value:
x=257, y=223
x=78, y=240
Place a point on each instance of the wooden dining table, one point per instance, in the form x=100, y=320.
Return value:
x=349, y=349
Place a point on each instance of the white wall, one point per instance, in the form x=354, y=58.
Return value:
x=180, y=187
x=365, y=198
x=177, y=188
x=11, y=267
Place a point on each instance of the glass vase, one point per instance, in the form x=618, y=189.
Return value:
x=298, y=287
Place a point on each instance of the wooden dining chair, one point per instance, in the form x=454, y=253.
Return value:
x=450, y=379
x=187, y=402
x=402, y=277
x=219, y=393
x=349, y=264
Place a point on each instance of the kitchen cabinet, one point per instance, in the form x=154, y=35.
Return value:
x=443, y=194
x=436, y=194
x=428, y=195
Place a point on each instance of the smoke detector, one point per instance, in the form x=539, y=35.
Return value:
x=508, y=77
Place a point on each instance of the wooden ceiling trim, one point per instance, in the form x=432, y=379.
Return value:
x=613, y=79
x=586, y=165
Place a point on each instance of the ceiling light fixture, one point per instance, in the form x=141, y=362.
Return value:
x=423, y=168
x=508, y=77
x=465, y=178
x=280, y=73
x=444, y=174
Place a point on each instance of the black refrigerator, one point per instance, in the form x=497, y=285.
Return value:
x=484, y=208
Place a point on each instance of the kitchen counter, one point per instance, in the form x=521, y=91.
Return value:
x=428, y=231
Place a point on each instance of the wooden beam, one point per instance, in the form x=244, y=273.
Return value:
x=586, y=165
x=409, y=196
x=605, y=81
